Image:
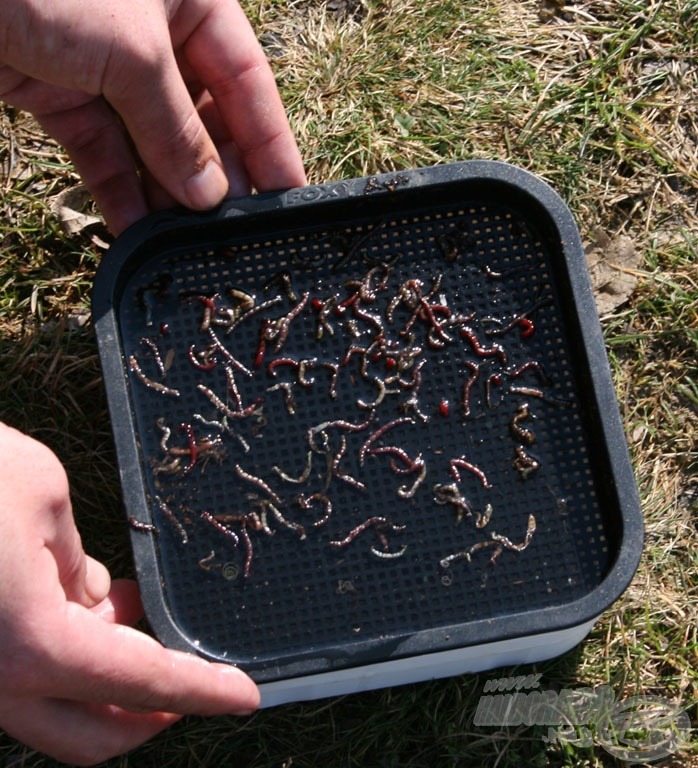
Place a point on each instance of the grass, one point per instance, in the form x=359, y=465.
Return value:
x=598, y=97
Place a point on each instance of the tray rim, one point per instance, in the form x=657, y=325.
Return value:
x=522, y=624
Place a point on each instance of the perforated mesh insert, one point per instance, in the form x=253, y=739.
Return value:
x=462, y=322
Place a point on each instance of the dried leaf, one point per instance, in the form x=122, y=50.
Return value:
x=613, y=265
x=68, y=205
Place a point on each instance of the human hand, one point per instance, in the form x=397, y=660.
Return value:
x=76, y=681
x=186, y=79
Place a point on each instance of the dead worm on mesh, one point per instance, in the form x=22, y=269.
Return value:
x=523, y=434
x=172, y=518
x=462, y=463
x=154, y=385
x=302, y=477
x=254, y=480
x=289, y=401
x=508, y=544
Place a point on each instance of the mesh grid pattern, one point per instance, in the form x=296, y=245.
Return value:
x=460, y=328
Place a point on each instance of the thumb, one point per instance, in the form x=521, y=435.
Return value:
x=84, y=579
x=35, y=484
x=151, y=97
x=97, y=581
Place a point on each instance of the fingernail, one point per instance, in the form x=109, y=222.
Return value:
x=206, y=188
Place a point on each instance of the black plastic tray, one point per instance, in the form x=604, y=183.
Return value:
x=320, y=396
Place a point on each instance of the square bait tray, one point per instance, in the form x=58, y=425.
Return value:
x=366, y=430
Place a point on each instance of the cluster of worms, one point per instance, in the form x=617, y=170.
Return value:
x=367, y=352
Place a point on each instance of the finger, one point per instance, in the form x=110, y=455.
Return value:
x=157, y=196
x=115, y=664
x=238, y=183
x=149, y=94
x=222, y=49
x=80, y=734
x=233, y=167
